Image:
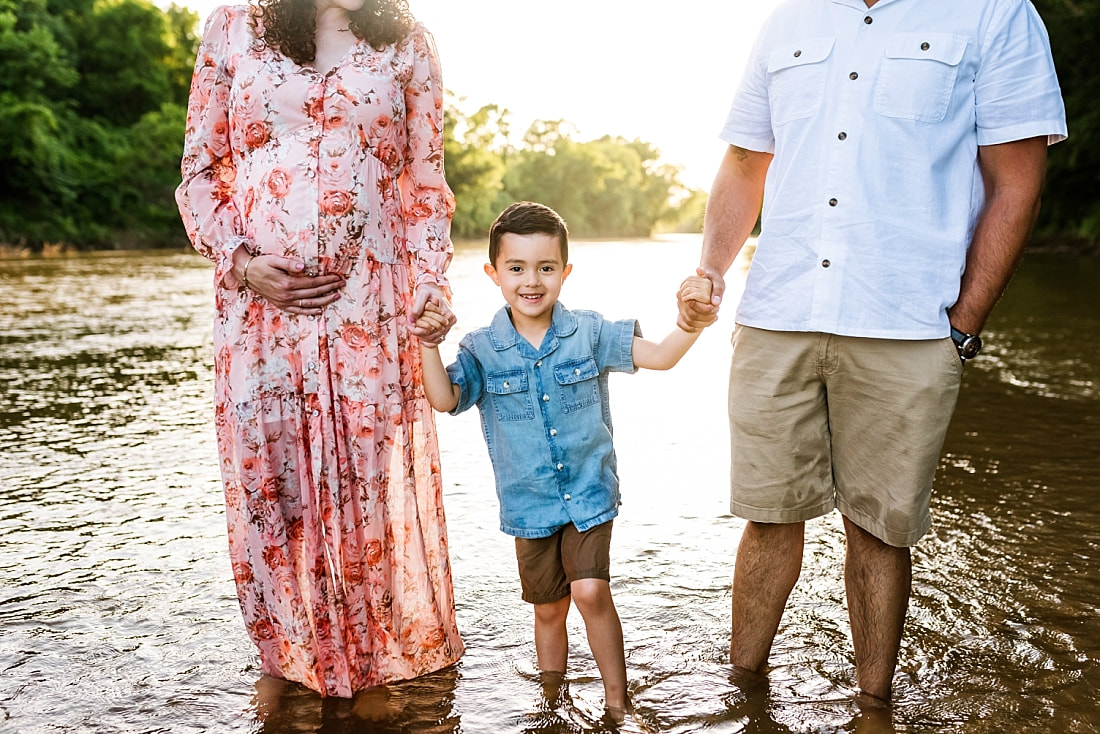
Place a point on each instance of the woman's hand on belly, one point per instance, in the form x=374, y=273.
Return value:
x=286, y=283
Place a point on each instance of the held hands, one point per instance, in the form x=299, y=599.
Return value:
x=286, y=283
x=698, y=300
x=431, y=315
x=695, y=288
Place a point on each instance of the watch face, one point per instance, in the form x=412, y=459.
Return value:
x=970, y=347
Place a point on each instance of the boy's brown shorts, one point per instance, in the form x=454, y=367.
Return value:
x=819, y=421
x=547, y=565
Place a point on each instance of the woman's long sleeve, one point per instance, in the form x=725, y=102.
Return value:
x=206, y=196
x=428, y=201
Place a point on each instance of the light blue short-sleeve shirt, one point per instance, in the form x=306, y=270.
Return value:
x=546, y=417
x=874, y=116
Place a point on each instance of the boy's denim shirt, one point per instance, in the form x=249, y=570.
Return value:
x=546, y=417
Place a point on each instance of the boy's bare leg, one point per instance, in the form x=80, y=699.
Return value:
x=605, y=637
x=551, y=637
x=769, y=559
x=877, y=580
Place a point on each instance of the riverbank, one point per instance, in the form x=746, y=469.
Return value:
x=1045, y=244
x=1065, y=245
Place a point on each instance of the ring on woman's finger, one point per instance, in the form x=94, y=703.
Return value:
x=300, y=303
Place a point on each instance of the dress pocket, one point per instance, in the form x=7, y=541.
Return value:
x=511, y=401
x=796, y=79
x=578, y=383
x=918, y=75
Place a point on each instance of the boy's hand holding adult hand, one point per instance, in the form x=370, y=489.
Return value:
x=431, y=331
x=698, y=309
x=432, y=320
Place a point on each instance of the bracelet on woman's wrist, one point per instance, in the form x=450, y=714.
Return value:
x=244, y=271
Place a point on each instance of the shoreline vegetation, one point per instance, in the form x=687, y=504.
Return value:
x=93, y=102
x=1042, y=245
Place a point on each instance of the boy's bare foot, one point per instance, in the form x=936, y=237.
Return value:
x=626, y=720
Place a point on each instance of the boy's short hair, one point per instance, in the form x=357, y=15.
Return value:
x=527, y=217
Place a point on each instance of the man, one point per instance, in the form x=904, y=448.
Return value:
x=898, y=148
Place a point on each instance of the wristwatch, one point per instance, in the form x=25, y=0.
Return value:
x=968, y=344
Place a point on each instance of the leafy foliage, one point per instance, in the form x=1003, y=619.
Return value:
x=609, y=187
x=1071, y=203
x=92, y=108
x=83, y=85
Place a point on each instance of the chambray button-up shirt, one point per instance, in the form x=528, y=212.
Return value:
x=875, y=116
x=546, y=417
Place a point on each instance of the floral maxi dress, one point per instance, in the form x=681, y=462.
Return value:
x=327, y=445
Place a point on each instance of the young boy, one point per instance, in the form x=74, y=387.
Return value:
x=538, y=375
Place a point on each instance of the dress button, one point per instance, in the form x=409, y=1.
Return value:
x=546, y=398
x=868, y=20
x=560, y=466
x=825, y=263
x=797, y=53
x=832, y=202
x=568, y=497
x=842, y=136
x=316, y=412
x=311, y=366
x=553, y=431
x=925, y=46
x=853, y=76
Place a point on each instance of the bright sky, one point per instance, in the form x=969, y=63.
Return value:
x=664, y=72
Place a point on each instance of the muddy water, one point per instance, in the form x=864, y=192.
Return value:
x=118, y=614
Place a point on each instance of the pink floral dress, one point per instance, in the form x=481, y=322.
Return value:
x=328, y=447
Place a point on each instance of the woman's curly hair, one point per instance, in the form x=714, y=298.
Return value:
x=291, y=25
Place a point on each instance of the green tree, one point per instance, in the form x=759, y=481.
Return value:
x=146, y=192
x=34, y=179
x=474, y=150
x=609, y=187
x=1071, y=206
x=125, y=61
x=91, y=119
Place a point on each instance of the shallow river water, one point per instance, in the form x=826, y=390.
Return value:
x=117, y=607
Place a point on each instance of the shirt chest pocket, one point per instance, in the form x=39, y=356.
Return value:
x=578, y=383
x=796, y=79
x=918, y=75
x=509, y=396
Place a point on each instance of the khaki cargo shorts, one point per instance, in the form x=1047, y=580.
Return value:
x=819, y=421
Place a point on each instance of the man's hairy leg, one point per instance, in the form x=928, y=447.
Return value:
x=769, y=559
x=877, y=580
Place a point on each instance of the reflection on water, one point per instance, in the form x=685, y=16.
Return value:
x=423, y=705
x=118, y=613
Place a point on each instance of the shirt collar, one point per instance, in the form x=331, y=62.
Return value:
x=504, y=335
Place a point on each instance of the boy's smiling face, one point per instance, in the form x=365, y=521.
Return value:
x=530, y=273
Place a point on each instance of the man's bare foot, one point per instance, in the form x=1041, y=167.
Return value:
x=870, y=701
